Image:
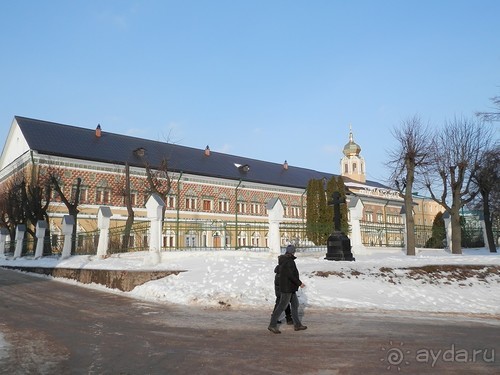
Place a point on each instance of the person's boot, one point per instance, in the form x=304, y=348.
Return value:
x=300, y=327
x=289, y=320
x=274, y=329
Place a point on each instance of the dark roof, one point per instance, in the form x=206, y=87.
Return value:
x=55, y=139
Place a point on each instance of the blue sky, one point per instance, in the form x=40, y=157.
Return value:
x=270, y=80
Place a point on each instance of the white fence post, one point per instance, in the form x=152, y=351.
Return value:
x=67, y=228
x=103, y=219
x=275, y=212
x=41, y=227
x=4, y=232
x=154, y=207
x=355, y=207
x=20, y=231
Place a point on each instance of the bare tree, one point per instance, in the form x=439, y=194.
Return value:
x=158, y=180
x=410, y=156
x=128, y=202
x=455, y=152
x=493, y=115
x=36, y=200
x=24, y=199
x=486, y=176
x=71, y=204
x=11, y=204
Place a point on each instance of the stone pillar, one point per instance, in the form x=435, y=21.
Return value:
x=4, y=233
x=275, y=212
x=154, y=207
x=41, y=227
x=355, y=207
x=447, y=229
x=20, y=231
x=103, y=219
x=67, y=229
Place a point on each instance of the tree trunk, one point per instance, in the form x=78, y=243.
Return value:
x=487, y=222
x=130, y=218
x=410, y=230
x=456, y=230
x=410, y=220
x=74, y=212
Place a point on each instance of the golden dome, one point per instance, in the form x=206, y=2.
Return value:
x=351, y=148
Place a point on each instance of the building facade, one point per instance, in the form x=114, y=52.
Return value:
x=211, y=199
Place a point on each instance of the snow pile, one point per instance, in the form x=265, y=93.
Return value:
x=433, y=280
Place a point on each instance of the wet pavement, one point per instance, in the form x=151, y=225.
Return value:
x=50, y=327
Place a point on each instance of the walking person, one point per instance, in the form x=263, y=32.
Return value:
x=277, y=292
x=289, y=284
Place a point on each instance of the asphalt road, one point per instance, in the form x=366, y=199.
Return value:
x=50, y=327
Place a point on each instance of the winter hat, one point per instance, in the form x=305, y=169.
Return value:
x=290, y=249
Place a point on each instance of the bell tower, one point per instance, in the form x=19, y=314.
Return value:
x=352, y=164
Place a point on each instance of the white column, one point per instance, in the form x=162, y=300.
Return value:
x=154, y=207
x=275, y=212
x=41, y=227
x=4, y=232
x=67, y=228
x=103, y=219
x=355, y=207
x=20, y=231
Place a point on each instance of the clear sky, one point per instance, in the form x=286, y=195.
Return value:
x=266, y=79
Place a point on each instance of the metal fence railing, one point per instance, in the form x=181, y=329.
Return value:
x=247, y=236
x=382, y=234
x=214, y=234
x=137, y=239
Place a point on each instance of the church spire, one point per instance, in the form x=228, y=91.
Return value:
x=352, y=164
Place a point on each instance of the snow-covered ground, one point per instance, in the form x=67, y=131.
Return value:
x=381, y=279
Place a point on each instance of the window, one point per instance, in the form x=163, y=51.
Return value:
x=354, y=167
x=55, y=195
x=242, y=207
x=190, y=203
x=255, y=239
x=169, y=239
x=346, y=168
x=207, y=205
x=224, y=205
x=190, y=239
x=133, y=199
x=369, y=216
x=103, y=195
x=170, y=201
x=242, y=239
x=380, y=218
x=295, y=211
x=255, y=208
x=83, y=194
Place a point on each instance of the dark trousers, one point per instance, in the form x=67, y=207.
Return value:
x=288, y=311
x=285, y=300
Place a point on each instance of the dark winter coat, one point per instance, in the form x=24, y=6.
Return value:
x=289, y=281
x=277, y=289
